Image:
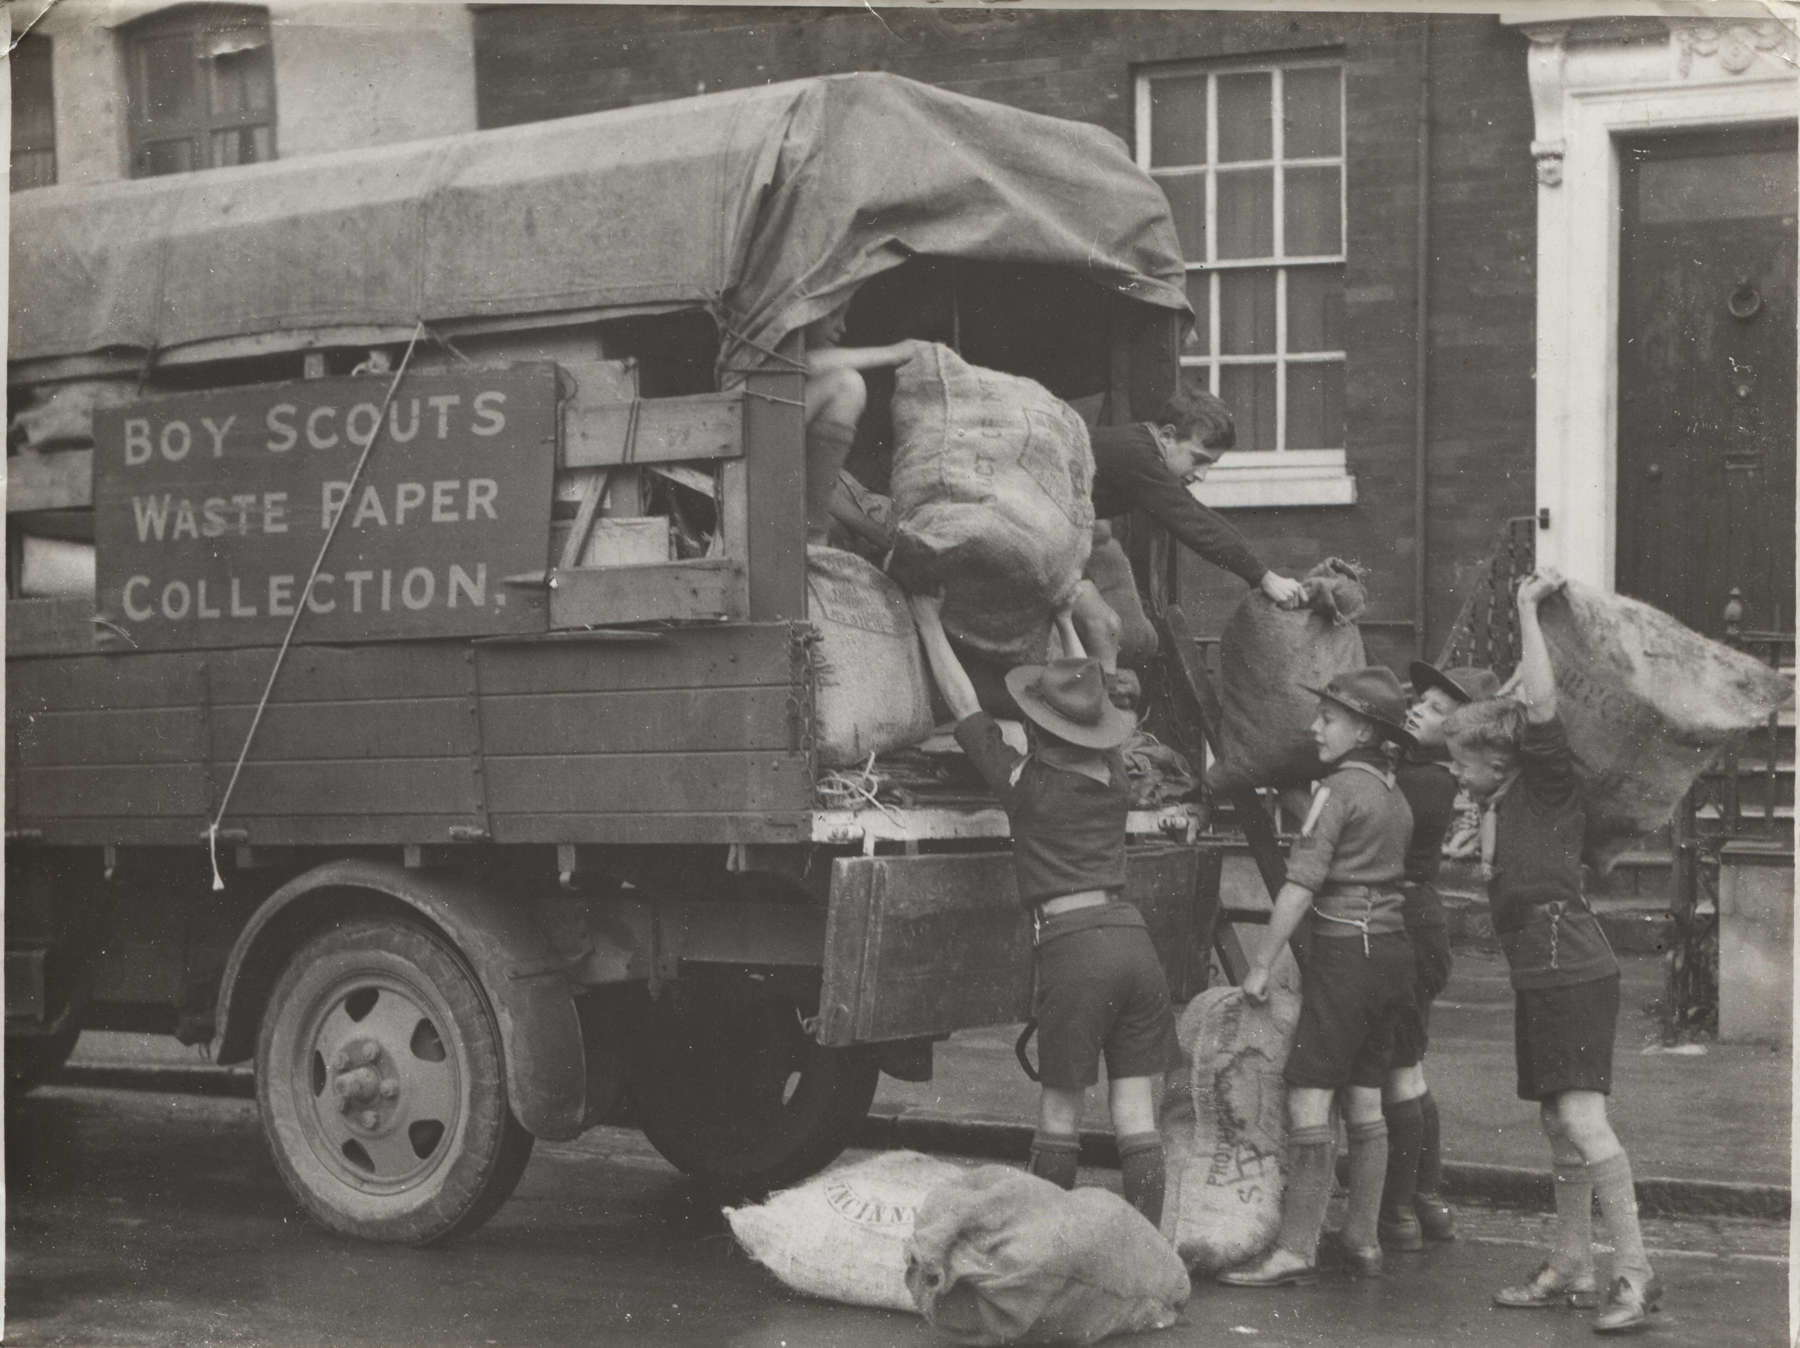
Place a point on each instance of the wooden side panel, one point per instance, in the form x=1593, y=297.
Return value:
x=538, y=724
x=62, y=626
x=653, y=430
x=741, y=655
x=610, y=596
x=932, y=944
x=655, y=783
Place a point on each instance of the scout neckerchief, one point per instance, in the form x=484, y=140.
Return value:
x=1490, y=826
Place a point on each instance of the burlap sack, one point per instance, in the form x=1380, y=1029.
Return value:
x=992, y=480
x=842, y=1235
x=1225, y=1125
x=871, y=692
x=1110, y=570
x=1268, y=657
x=1000, y=1256
x=1648, y=704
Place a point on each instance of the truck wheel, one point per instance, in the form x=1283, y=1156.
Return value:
x=738, y=1095
x=31, y=1060
x=381, y=1086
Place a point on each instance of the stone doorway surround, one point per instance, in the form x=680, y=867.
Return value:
x=1594, y=80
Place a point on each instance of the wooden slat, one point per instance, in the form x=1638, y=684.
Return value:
x=684, y=827
x=94, y=738
x=63, y=626
x=392, y=728
x=775, y=433
x=378, y=786
x=152, y=679
x=160, y=790
x=342, y=673
x=724, y=656
x=576, y=723
x=59, y=480
x=639, y=783
x=696, y=590
x=668, y=430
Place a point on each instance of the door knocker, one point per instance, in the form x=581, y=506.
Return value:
x=1744, y=303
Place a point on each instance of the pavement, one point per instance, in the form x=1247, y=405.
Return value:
x=1707, y=1126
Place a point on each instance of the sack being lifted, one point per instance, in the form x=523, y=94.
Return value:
x=992, y=482
x=1224, y=1123
x=1648, y=704
x=1000, y=1256
x=1268, y=656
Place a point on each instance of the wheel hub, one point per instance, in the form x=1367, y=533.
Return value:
x=366, y=1085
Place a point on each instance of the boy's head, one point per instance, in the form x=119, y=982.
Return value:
x=1067, y=701
x=1483, y=739
x=1438, y=692
x=1192, y=427
x=1359, y=710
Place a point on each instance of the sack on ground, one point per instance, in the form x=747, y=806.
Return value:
x=842, y=1235
x=1225, y=1125
x=871, y=693
x=1110, y=570
x=1648, y=704
x=1000, y=1256
x=1268, y=656
x=992, y=480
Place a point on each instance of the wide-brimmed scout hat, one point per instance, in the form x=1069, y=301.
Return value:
x=1373, y=694
x=1068, y=698
x=1465, y=683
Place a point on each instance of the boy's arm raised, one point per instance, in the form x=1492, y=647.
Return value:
x=952, y=678
x=1537, y=680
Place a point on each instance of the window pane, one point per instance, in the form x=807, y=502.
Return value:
x=1244, y=117
x=170, y=79
x=240, y=145
x=1311, y=217
x=33, y=108
x=1246, y=213
x=165, y=156
x=1315, y=410
x=1246, y=312
x=1178, y=120
x=1199, y=293
x=1310, y=114
x=1187, y=203
x=1249, y=391
x=1315, y=305
x=242, y=83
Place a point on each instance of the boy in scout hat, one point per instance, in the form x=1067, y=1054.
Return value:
x=1099, y=986
x=1344, y=870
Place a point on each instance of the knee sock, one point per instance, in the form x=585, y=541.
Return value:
x=1618, y=1207
x=1054, y=1157
x=1368, y=1167
x=1431, y=1155
x=1308, y=1191
x=1141, y=1173
x=1403, y=1130
x=827, y=446
x=1572, y=1246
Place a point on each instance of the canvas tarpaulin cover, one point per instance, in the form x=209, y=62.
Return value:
x=764, y=206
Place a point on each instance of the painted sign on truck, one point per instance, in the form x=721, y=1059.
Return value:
x=211, y=510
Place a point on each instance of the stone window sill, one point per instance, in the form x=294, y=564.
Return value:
x=1295, y=477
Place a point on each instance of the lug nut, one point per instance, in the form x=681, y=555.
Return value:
x=368, y=1118
x=390, y=1088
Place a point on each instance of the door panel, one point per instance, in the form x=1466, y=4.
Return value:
x=1706, y=375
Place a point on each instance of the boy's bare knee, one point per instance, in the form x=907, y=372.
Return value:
x=836, y=395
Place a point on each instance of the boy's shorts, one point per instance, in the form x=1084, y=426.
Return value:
x=1101, y=989
x=1563, y=1037
x=1412, y=1032
x=1350, y=1003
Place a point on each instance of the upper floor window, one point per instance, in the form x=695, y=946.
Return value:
x=1251, y=158
x=33, y=114
x=201, y=89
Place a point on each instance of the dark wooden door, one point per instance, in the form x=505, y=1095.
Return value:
x=1706, y=410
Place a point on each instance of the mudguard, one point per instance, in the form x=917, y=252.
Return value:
x=525, y=977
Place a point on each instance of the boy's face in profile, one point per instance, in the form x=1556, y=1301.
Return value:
x=1185, y=458
x=1337, y=731
x=1480, y=772
x=1425, y=718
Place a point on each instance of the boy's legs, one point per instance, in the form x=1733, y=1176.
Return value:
x=1056, y=1146
x=1143, y=1174
x=1368, y=1135
x=1400, y=1095
x=1304, y=1199
x=1583, y=1120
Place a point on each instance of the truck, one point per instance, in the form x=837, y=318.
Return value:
x=414, y=675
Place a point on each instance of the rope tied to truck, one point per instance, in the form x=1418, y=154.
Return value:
x=287, y=640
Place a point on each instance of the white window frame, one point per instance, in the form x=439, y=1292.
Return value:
x=1281, y=476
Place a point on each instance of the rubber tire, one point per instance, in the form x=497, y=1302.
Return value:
x=709, y=1084
x=482, y=1150
x=31, y=1060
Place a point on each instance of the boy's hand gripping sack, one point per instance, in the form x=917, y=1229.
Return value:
x=842, y=1235
x=992, y=481
x=1000, y=1256
x=1267, y=657
x=1648, y=704
x=1225, y=1124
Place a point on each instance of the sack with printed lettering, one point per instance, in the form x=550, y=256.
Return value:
x=1268, y=658
x=1225, y=1123
x=842, y=1235
x=1648, y=704
x=870, y=691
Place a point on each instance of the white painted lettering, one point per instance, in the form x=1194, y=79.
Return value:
x=369, y=508
x=184, y=520
x=217, y=432
x=356, y=579
x=489, y=419
x=282, y=435
x=132, y=611
x=137, y=441
x=473, y=588
x=394, y=432
x=419, y=595
x=175, y=447
x=152, y=514
x=281, y=596
x=314, y=436
x=200, y=606
x=313, y=599
x=175, y=600
x=274, y=512
x=443, y=504
x=371, y=415
x=332, y=496
x=408, y=496
x=245, y=502
x=212, y=511
x=239, y=609
x=482, y=491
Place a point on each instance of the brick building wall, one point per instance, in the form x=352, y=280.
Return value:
x=543, y=61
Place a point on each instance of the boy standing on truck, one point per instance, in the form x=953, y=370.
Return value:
x=1356, y=979
x=1099, y=986
x=1515, y=761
